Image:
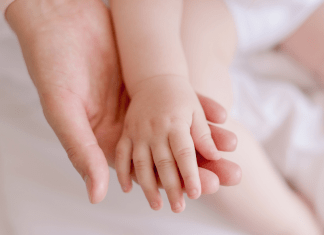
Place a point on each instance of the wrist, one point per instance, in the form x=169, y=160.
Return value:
x=157, y=83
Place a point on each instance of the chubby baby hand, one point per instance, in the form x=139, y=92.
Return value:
x=164, y=125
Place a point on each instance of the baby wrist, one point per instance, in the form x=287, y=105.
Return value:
x=161, y=81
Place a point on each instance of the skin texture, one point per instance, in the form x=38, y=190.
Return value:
x=262, y=203
x=165, y=122
x=83, y=52
x=71, y=57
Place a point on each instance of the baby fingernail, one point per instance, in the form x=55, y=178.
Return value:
x=124, y=188
x=154, y=205
x=176, y=206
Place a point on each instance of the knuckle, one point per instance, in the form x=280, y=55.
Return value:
x=164, y=163
x=158, y=125
x=180, y=127
x=178, y=121
x=120, y=154
x=171, y=189
x=185, y=153
x=122, y=175
x=72, y=154
x=205, y=137
x=147, y=188
x=73, y=157
x=189, y=179
x=140, y=164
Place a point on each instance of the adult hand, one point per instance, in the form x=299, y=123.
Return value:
x=71, y=56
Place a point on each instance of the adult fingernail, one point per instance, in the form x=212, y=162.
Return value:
x=88, y=184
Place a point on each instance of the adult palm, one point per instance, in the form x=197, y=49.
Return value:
x=71, y=56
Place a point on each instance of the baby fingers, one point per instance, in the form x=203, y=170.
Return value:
x=202, y=138
x=144, y=170
x=183, y=150
x=123, y=163
x=168, y=173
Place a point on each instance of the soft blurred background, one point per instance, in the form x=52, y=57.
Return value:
x=42, y=194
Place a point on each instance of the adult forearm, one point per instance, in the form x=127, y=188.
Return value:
x=149, y=39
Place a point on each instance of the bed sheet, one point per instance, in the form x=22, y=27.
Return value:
x=261, y=24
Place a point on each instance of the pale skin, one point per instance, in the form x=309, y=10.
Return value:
x=70, y=54
x=270, y=204
x=305, y=45
x=263, y=203
x=165, y=122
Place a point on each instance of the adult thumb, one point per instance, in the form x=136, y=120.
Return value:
x=68, y=118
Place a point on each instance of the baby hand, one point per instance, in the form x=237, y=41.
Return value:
x=164, y=124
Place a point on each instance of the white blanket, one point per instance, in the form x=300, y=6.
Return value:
x=280, y=103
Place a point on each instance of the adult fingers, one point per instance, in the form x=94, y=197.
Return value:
x=225, y=140
x=229, y=173
x=214, y=112
x=67, y=116
x=209, y=181
x=212, y=174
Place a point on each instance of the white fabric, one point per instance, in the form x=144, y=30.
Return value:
x=269, y=101
x=262, y=24
x=283, y=108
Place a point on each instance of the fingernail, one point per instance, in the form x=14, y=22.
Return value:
x=154, y=205
x=127, y=188
x=176, y=206
x=124, y=189
x=88, y=184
